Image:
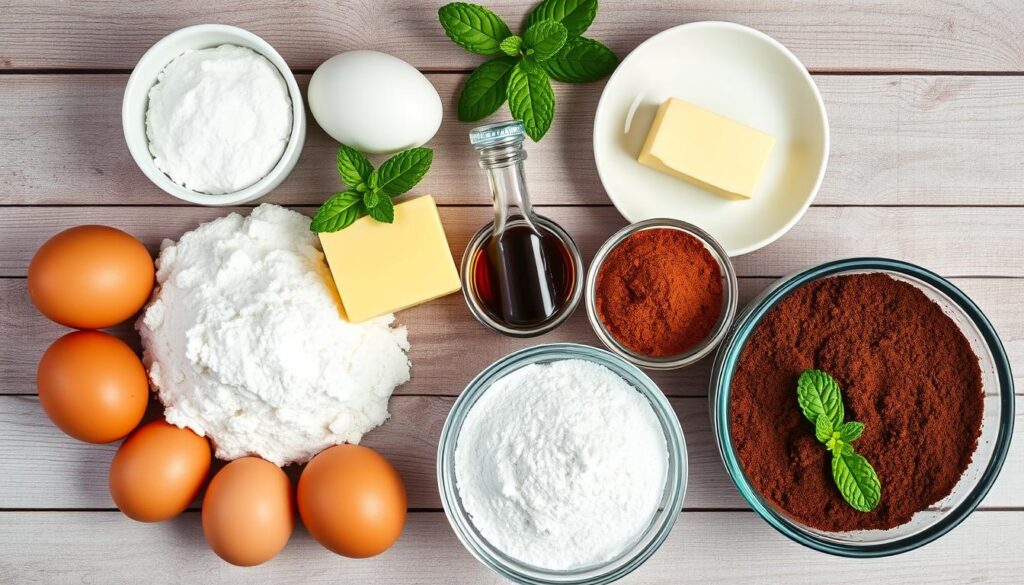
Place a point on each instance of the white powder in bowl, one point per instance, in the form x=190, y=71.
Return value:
x=561, y=465
x=218, y=119
x=245, y=343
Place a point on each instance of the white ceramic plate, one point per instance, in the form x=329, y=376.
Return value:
x=737, y=72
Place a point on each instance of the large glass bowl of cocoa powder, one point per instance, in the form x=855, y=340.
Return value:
x=918, y=363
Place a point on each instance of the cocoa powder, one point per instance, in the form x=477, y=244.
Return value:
x=659, y=292
x=906, y=371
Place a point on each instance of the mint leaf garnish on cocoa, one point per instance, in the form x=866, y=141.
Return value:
x=823, y=429
x=819, y=393
x=821, y=401
x=857, y=480
x=851, y=431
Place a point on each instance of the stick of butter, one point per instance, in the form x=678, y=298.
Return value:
x=381, y=268
x=706, y=149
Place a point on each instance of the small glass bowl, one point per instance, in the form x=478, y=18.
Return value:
x=730, y=294
x=480, y=311
x=626, y=562
x=997, y=418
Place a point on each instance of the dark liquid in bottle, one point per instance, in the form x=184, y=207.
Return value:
x=521, y=278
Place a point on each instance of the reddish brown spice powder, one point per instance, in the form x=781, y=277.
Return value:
x=906, y=371
x=659, y=292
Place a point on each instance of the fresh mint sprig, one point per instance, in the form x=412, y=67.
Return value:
x=821, y=401
x=551, y=47
x=370, y=190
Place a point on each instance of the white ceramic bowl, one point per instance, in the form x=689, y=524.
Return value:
x=737, y=72
x=136, y=100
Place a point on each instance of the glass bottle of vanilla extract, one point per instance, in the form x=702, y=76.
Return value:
x=522, y=271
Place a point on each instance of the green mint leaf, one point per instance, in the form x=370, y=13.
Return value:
x=372, y=198
x=485, y=89
x=353, y=166
x=818, y=393
x=401, y=172
x=511, y=46
x=473, y=27
x=836, y=445
x=856, y=480
x=823, y=428
x=531, y=99
x=821, y=401
x=545, y=38
x=850, y=431
x=581, y=61
x=529, y=62
x=338, y=212
x=384, y=211
x=575, y=15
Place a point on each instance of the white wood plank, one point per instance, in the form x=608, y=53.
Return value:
x=949, y=140
x=443, y=329
x=43, y=468
x=841, y=34
x=950, y=137
x=705, y=547
x=965, y=241
x=953, y=241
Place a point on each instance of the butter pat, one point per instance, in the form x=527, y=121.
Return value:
x=706, y=149
x=380, y=268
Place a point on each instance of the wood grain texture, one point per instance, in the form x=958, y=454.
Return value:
x=953, y=241
x=905, y=137
x=704, y=547
x=45, y=469
x=443, y=331
x=843, y=35
x=896, y=140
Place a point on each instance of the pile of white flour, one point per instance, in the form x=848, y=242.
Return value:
x=245, y=344
x=218, y=119
x=561, y=465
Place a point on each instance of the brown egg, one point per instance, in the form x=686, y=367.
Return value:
x=352, y=501
x=158, y=471
x=92, y=386
x=90, y=277
x=248, y=514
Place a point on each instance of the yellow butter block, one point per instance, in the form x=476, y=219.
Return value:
x=706, y=149
x=381, y=268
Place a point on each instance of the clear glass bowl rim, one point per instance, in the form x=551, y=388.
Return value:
x=728, y=356
x=699, y=351
x=662, y=523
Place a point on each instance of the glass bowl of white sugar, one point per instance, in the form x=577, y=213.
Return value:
x=562, y=463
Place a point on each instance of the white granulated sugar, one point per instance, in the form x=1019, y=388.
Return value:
x=245, y=344
x=218, y=119
x=561, y=465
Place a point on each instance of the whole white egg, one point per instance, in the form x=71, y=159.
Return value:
x=374, y=102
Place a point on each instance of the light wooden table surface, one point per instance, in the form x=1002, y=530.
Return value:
x=926, y=102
